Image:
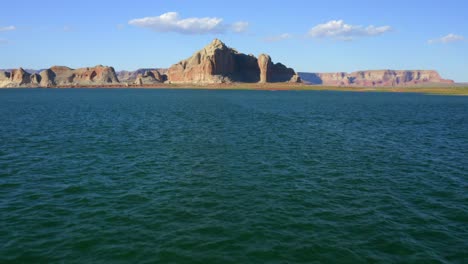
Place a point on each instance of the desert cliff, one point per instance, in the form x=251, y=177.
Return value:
x=218, y=63
x=215, y=64
x=57, y=76
x=375, y=78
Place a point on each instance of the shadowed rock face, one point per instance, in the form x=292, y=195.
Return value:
x=15, y=78
x=150, y=77
x=375, y=78
x=5, y=76
x=35, y=79
x=20, y=76
x=61, y=75
x=217, y=63
x=143, y=76
x=47, y=78
x=245, y=68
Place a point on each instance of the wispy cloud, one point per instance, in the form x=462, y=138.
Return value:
x=339, y=30
x=7, y=28
x=4, y=41
x=277, y=38
x=240, y=26
x=172, y=22
x=447, y=39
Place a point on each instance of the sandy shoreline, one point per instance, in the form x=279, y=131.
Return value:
x=456, y=90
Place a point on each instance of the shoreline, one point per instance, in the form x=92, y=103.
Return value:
x=434, y=90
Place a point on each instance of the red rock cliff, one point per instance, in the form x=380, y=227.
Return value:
x=217, y=63
x=376, y=78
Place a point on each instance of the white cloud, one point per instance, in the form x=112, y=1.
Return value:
x=281, y=37
x=447, y=39
x=338, y=29
x=4, y=41
x=172, y=22
x=8, y=28
x=240, y=26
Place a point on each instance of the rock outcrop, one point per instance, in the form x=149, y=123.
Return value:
x=264, y=63
x=143, y=76
x=386, y=78
x=62, y=76
x=59, y=76
x=217, y=63
x=4, y=78
x=47, y=78
x=15, y=78
x=20, y=76
x=35, y=79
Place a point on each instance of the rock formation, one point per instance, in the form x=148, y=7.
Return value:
x=15, y=78
x=143, y=76
x=20, y=77
x=217, y=63
x=47, y=78
x=264, y=63
x=59, y=76
x=375, y=78
x=35, y=79
x=4, y=78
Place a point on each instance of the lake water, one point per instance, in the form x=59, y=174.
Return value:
x=232, y=176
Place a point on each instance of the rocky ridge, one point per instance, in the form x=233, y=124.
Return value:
x=57, y=76
x=218, y=63
x=384, y=78
x=143, y=76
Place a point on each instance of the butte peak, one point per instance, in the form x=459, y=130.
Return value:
x=217, y=43
x=218, y=63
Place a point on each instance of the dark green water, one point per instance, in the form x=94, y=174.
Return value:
x=232, y=177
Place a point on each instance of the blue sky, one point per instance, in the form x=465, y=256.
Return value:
x=309, y=36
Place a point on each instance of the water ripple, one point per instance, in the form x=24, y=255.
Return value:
x=232, y=177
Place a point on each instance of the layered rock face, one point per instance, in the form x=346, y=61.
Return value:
x=143, y=76
x=47, y=78
x=62, y=76
x=35, y=79
x=15, y=78
x=264, y=63
x=59, y=76
x=4, y=78
x=376, y=78
x=150, y=77
x=217, y=63
x=20, y=76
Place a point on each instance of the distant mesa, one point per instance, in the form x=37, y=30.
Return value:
x=218, y=63
x=382, y=78
x=57, y=76
x=143, y=76
x=61, y=75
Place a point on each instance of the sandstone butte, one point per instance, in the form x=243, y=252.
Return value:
x=214, y=64
x=217, y=63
